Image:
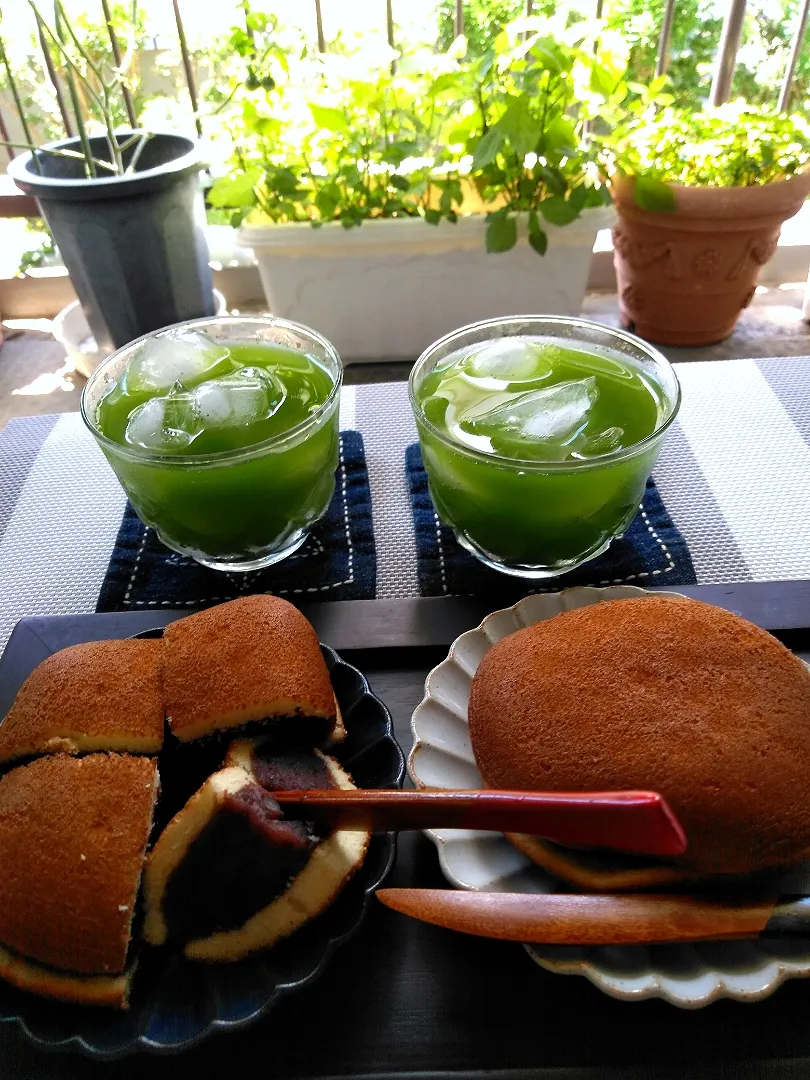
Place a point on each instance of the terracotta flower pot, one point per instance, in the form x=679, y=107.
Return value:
x=684, y=276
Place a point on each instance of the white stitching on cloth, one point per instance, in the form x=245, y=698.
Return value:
x=608, y=581
x=442, y=567
x=128, y=593
x=281, y=592
x=646, y=573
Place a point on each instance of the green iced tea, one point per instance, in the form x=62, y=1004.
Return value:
x=227, y=448
x=527, y=445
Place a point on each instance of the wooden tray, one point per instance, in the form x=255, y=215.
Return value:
x=404, y=998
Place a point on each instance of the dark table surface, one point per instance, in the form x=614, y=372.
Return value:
x=404, y=998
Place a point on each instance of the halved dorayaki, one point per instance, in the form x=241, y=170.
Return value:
x=251, y=666
x=73, y=836
x=228, y=877
x=102, y=695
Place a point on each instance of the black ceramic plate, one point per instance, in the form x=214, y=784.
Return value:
x=176, y=1004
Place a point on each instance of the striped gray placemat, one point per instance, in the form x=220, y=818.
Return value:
x=734, y=474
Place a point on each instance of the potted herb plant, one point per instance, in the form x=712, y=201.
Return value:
x=125, y=208
x=463, y=174
x=701, y=199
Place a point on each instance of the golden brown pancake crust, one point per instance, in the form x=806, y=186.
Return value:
x=109, y=990
x=73, y=834
x=240, y=662
x=102, y=695
x=664, y=694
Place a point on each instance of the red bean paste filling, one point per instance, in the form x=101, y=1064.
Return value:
x=256, y=853
x=185, y=766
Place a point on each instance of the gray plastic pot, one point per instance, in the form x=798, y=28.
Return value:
x=134, y=246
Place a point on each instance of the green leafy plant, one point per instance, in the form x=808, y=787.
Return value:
x=534, y=95
x=733, y=145
x=340, y=138
x=503, y=133
x=36, y=256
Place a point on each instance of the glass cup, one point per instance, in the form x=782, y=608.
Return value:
x=237, y=510
x=538, y=519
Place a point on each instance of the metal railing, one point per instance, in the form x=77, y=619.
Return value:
x=725, y=60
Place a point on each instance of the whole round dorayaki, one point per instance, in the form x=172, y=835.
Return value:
x=664, y=694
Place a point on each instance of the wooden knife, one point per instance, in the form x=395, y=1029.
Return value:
x=602, y=919
x=634, y=821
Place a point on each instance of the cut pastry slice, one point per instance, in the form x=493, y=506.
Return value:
x=73, y=836
x=250, y=666
x=228, y=876
x=102, y=695
x=109, y=990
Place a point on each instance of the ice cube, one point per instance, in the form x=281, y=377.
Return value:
x=604, y=443
x=241, y=398
x=551, y=413
x=162, y=361
x=165, y=423
x=509, y=359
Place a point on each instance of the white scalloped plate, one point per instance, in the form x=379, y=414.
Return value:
x=688, y=976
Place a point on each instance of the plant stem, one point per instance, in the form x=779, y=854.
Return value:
x=116, y=50
x=12, y=85
x=70, y=79
x=85, y=55
x=227, y=101
x=103, y=102
x=37, y=150
x=133, y=164
x=71, y=66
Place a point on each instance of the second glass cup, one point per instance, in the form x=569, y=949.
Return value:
x=538, y=434
x=224, y=434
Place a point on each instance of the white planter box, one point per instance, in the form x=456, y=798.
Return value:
x=388, y=289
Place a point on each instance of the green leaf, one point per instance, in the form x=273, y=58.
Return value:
x=560, y=136
x=537, y=237
x=526, y=187
x=579, y=197
x=284, y=181
x=256, y=20
x=546, y=56
x=501, y=234
x=460, y=134
x=602, y=80
x=326, y=204
x=399, y=150
x=446, y=200
x=235, y=191
x=653, y=195
x=519, y=127
x=444, y=82
x=432, y=217
x=552, y=178
x=487, y=149
x=558, y=211
x=328, y=118
x=401, y=183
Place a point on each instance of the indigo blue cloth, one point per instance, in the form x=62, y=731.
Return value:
x=651, y=552
x=337, y=562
